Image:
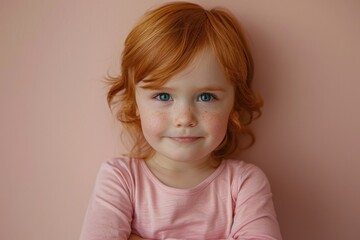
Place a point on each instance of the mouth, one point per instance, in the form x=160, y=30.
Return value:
x=185, y=139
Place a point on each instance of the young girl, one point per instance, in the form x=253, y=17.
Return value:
x=184, y=95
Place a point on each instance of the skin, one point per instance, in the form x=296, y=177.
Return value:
x=185, y=120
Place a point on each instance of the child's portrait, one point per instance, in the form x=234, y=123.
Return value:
x=183, y=94
x=179, y=120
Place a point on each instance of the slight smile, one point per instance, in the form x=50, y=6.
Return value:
x=185, y=139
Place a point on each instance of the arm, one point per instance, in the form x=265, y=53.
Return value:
x=109, y=213
x=254, y=214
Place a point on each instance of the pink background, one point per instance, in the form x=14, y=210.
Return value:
x=56, y=128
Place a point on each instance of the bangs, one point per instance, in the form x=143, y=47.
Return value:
x=164, y=43
x=168, y=39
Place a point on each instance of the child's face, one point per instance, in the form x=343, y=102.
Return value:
x=186, y=118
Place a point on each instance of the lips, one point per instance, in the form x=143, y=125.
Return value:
x=185, y=139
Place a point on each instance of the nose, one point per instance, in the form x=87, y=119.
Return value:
x=185, y=117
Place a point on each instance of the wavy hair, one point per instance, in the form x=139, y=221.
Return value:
x=163, y=43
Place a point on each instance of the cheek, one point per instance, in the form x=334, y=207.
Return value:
x=216, y=123
x=152, y=123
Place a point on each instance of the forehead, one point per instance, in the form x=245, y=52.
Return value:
x=204, y=66
x=204, y=70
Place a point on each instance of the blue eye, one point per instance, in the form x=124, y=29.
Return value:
x=163, y=97
x=206, y=97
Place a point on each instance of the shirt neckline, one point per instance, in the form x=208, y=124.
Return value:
x=181, y=191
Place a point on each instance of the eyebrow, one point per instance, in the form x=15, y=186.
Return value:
x=204, y=89
x=212, y=88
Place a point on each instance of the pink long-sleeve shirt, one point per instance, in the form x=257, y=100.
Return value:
x=235, y=202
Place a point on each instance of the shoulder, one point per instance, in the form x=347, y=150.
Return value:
x=122, y=163
x=246, y=176
x=241, y=168
x=120, y=170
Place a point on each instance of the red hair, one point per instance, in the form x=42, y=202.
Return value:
x=162, y=44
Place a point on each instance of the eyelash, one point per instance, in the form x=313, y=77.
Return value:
x=158, y=97
x=212, y=96
x=169, y=98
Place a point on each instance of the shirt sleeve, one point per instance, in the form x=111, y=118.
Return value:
x=110, y=210
x=254, y=214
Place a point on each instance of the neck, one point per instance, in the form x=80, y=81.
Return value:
x=181, y=174
x=165, y=164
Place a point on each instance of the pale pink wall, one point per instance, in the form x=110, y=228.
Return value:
x=56, y=129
